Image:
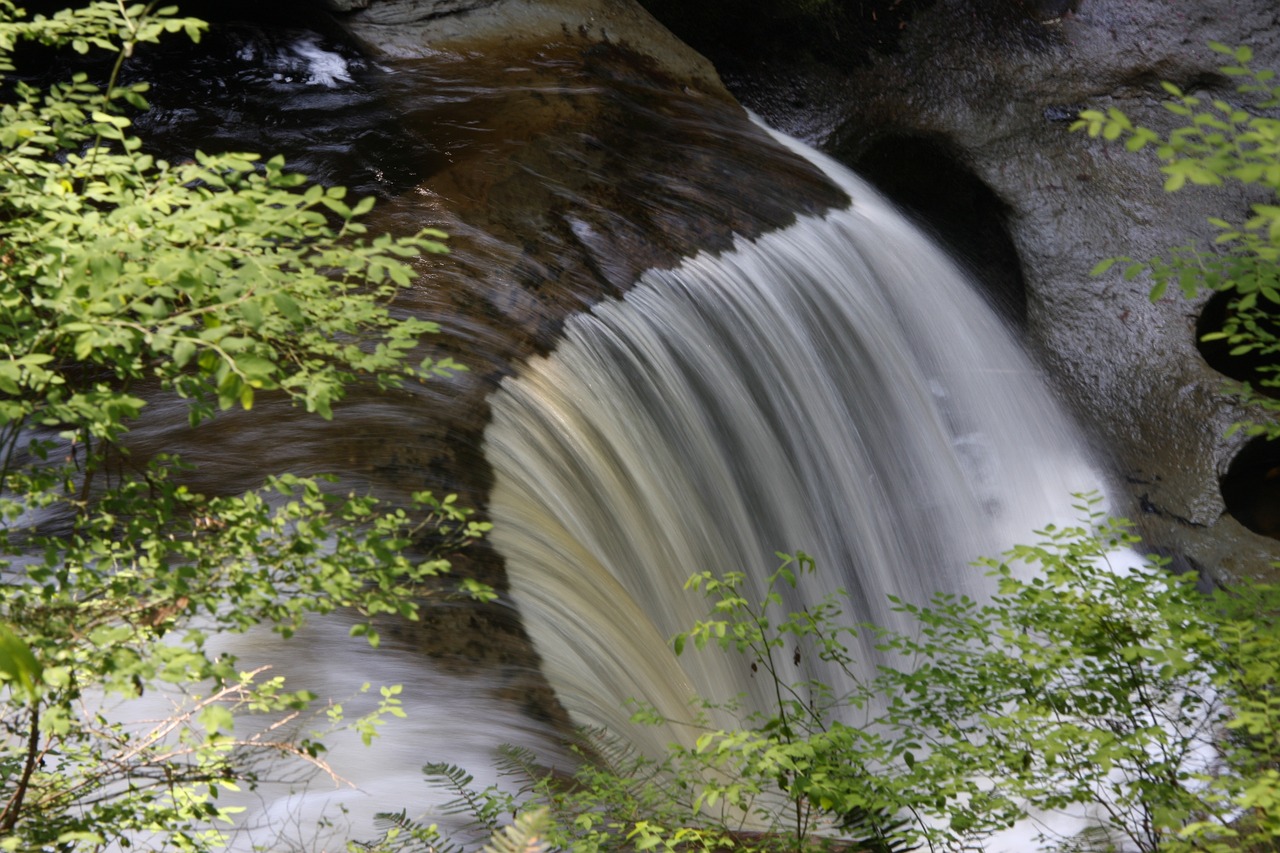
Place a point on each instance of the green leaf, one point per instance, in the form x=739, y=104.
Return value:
x=287, y=306
x=258, y=371
x=252, y=313
x=183, y=350
x=216, y=719
x=1104, y=265
x=18, y=664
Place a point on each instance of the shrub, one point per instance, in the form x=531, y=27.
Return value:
x=124, y=278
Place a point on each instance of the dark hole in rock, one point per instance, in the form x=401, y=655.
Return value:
x=1246, y=367
x=923, y=177
x=1251, y=488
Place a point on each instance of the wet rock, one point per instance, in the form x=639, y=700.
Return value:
x=1048, y=11
x=565, y=147
x=586, y=162
x=410, y=12
x=410, y=29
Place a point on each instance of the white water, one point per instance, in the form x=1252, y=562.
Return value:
x=450, y=717
x=835, y=387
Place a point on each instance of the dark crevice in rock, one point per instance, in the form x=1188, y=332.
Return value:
x=926, y=178
x=1219, y=354
x=1150, y=82
x=1251, y=487
x=419, y=11
x=1150, y=507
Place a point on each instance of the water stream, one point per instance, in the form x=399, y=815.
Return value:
x=830, y=383
x=836, y=387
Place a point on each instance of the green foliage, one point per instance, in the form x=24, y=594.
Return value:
x=124, y=278
x=214, y=278
x=18, y=665
x=1117, y=693
x=800, y=771
x=1234, y=804
x=525, y=835
x=1120, y=690
x=483, y=810
x=1221, y=141
x=615, y=800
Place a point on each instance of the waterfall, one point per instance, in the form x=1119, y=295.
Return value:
x=836, y=387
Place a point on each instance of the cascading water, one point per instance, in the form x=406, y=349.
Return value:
x=835, y=387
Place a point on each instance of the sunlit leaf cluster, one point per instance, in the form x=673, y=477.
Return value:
x=1094, y=701
x=125, y=280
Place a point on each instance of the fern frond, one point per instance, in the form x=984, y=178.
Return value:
x=607, y=750
x=526, y=835
x=484, y=807
x=450, y=777
x=520, y=762
x=402, y=834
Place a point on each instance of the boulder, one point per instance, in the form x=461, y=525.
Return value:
x=565, y=147
x=408, y=29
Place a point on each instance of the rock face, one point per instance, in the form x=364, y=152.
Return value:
x=969, y=122
x=565, y=147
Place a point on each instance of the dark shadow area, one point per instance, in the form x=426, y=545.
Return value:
x=843, y=33
x=1251, y=487
x=924, y=178
x=1251, y=367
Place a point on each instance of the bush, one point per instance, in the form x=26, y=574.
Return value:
x=1098, y=703
x=1119, y=692
x=124, y=278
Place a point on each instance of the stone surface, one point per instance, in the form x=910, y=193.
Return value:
x=996, y=97
x=409, y=29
